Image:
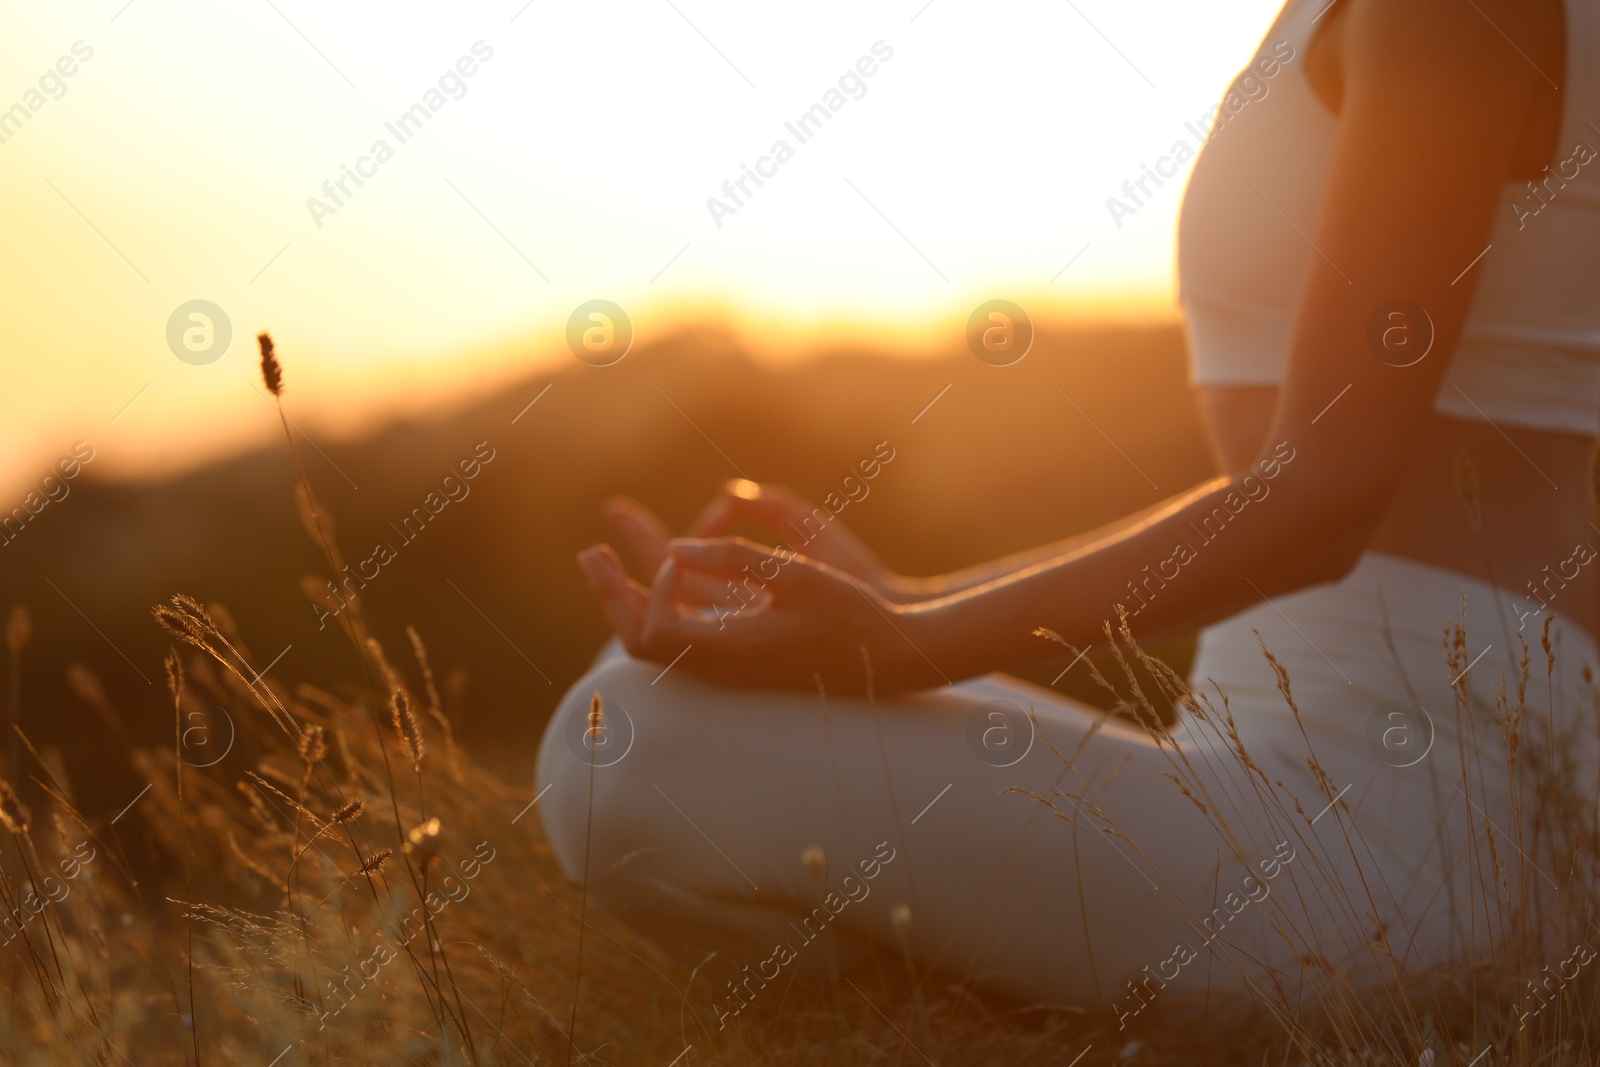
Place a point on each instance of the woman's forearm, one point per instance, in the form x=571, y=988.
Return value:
x=1200, y=558
x=915, y=590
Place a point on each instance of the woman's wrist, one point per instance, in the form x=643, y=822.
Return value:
x=925, y=629
x=901, y=590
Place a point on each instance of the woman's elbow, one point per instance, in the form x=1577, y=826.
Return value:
x=1338, y=530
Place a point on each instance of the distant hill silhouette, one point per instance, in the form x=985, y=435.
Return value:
x=1002, y=461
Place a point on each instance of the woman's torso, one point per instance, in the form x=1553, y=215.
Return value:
x=1532, y=501
x=1516, y=517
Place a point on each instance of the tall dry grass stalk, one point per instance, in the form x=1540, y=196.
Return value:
x=19, y=631
x=593, y=733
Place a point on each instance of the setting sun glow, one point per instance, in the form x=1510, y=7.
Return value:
x=414, y=198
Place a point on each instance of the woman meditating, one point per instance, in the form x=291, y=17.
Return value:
x=1389, y=268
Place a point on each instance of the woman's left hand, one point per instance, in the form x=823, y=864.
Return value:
x=792, y=622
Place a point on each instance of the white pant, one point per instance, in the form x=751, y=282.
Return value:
x=704, y=799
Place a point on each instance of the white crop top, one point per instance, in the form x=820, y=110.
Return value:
x=1529, y=353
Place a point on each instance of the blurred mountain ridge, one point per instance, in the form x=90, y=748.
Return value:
x=1093, y=423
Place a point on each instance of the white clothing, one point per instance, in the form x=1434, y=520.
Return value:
x=1529, y=353
x=704, y=799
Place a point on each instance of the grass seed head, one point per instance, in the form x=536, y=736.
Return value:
x=348, y=812
x=409, y=729
x=174, y=665
x=271, y=371
x=19, y=628
x=313, y=745
x=374, y=863
x=179, y=626
x=194, y=611
x=1549, y=649
x=900, y=922
x=815, y=861
x=14, y=814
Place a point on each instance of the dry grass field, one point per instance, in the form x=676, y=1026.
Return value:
x=345, y=882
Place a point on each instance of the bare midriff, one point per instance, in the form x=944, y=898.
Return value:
x=1531, y=530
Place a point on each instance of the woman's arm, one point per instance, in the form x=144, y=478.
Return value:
x=1435, y=101
x=780, y=516
x=1434, y=105
x=909, y=590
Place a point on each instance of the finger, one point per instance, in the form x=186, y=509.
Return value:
x=724, y=556
x=645, y=534
x=767, y=507
x=698, y=590
x=714, y=514
x=623, y=600
x=662, y=612
x=780, y=569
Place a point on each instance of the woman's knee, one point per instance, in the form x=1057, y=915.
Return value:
x=583, y=778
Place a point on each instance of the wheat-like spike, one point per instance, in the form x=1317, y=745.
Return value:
x=14, y=815
x=193, y=610
x=313, y=745
x=347, y=812
x=814, y=860
x=374, y=863
x=174, y=665
x=409, y=729
x=271, y=371
x=1549, y=650
x=19, y=628
x=420, y=651
x=344, y=813
x=435, y=702
x=178, y=625
x=1050, y=635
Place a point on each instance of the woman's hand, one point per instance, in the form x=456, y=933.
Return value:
x=647, y=537
x=783, y=517
x=794, y=622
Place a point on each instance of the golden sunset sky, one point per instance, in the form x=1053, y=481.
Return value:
x=574, y=161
